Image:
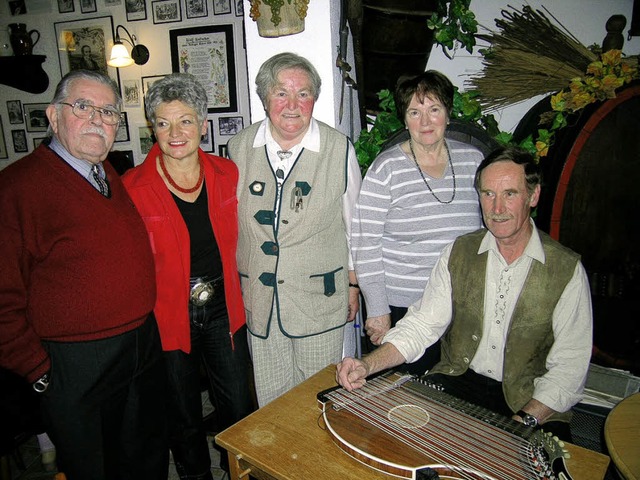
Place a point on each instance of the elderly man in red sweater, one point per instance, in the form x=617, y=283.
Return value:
x=77, y=288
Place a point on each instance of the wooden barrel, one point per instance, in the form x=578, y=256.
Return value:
x=590, y=203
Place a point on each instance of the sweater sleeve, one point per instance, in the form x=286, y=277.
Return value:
x=21, y=350
x=368, y=227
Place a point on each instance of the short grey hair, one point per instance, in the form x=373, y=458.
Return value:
x=62, y=90
x=182, y=87
x=267, y=77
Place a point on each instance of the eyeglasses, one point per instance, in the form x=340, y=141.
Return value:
x=84, y=110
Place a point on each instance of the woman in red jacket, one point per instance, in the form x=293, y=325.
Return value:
x=187, y=199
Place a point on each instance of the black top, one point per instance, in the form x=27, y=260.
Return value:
x=205, y=255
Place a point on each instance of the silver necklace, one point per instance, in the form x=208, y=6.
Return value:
x=453, y=173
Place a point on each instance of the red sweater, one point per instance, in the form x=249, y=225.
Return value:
x=169, y=239
x=75, y=266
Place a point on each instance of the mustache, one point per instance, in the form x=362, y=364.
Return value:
x=96, y=130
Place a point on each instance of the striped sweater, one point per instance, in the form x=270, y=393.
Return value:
x=399, y=228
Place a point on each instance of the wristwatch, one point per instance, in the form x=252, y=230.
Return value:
x=528, y=419
x=42, y=383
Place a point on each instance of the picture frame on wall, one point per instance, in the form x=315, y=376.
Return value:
x=122, y=134
x=66, y=6
x=131, y=93
x=239, y=8
x=14, y=109
x=136, y=10
x=88, y=6
x=230, y=125
x=19, y=141
x=221, y=7
x=146, y=137
x=35, y=115
x=148, y=81
x=223, y=151
x=3, y=143
x=207, y=143
x=196, y=8
x=207, y=52
x=84, y=45
x=166, y=11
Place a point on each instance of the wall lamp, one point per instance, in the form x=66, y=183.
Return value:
x=120, y=56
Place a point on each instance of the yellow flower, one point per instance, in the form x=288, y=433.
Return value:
x=611, y=57
x=542, y=149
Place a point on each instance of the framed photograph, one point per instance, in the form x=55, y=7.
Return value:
x=223, y=151
x=207, y=53
x=88, y=6
x=122, y=135
x=147, y=138
x=221, y=7
x=230, y=125
x=84, y=44
x=131, y=93
x=239, y=8
x=136, y=10
x=148, y=81
x=166, y=11
x=17, y=7
x=66, y=6
x=19, y=141
x=206, y=143
x=37, y=141
x=14, y=109
x=35, y=115
x=3, y=143
x=196, y=8
x=112, y=3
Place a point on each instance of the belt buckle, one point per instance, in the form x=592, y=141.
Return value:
x=201, y=293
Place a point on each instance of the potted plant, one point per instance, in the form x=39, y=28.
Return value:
x=277, y=18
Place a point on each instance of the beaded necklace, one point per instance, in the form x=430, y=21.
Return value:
x=175, y=185
x=453, y=173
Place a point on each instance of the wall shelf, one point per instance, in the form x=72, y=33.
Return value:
x=24, y=72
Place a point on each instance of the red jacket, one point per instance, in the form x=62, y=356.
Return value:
x=169, y=240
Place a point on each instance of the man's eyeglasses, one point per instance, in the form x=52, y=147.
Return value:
x=85, y=110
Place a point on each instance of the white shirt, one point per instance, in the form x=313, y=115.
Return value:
x=568, y=359
x=311, y=141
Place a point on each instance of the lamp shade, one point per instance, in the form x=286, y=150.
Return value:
x=120, y=56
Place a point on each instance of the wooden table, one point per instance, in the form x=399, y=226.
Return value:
x=286, y=440
x=622, y=435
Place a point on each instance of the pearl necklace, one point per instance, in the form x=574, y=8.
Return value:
x=175, y=185
x=453, y=173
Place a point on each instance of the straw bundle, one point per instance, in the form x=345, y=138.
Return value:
x=529, y=56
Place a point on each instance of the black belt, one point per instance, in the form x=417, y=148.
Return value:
x=203, y=289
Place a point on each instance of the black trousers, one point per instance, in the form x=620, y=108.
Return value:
x=105, y=407
x=487, y=392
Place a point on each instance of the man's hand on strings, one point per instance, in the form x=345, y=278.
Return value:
x=351, y=373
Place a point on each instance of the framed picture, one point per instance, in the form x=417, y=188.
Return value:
x=206, y=143
x=239, y=8
x=230, y=125
x=221, y=7
x=207, y=53
x=122, y=135
x=14, y=109
x=66, y=6
x=223, y=151
x=88, y=6
x=17, y=7
x=166, y=11
x=148, y=81
x=84, y=44
x=147, y=138
x=19, y=141
x=196, y=8
x=3, y=143
x=37, y=141
x=112, y=3
x=136, y=10
x=35, y=115
x=131, y=93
